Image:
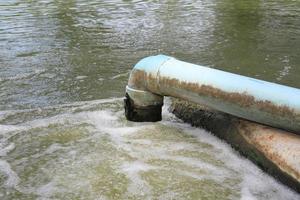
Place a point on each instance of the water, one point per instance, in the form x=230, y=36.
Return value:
x=63, y=69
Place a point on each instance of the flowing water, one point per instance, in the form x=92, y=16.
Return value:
x=63, y=69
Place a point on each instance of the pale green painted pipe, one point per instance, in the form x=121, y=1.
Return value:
x=256, y=100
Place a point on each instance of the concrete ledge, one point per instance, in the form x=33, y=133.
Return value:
x=275, y=151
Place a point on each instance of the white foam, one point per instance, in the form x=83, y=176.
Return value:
x=167, y=116
x=100, y=119
x=8, y=128
x=254, y=181
x=208, y=168
x=3, y=114
x=80, y=77
x=254, y=184
x=137, y=184
x=12, y=177
x=53, y=148
x=143, y=142
x=136, y=166
x=246, y=194
x=4, y=150
x=193, y=175
x=46, y=190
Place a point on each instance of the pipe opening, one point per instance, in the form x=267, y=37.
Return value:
x=149, y=113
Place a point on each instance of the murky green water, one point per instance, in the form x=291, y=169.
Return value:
x=63, y=69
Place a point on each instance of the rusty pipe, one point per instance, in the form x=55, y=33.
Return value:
x=256, y=100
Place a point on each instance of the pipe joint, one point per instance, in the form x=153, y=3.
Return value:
x=143, y=102
x=256, y=100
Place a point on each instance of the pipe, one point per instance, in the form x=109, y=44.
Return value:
x=256, y=100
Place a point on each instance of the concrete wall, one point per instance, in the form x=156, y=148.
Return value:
x=275, y=151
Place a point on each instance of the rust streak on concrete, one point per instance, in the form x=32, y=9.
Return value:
x=276, y=151
x=282, y=147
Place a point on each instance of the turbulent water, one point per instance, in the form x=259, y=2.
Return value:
x=63, y=69
x=87, y=150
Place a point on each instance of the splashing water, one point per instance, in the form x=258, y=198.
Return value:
x=57, y=57
x=87, y=150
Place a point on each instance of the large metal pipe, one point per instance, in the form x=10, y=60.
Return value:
x=256, y=100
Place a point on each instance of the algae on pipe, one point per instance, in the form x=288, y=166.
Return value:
x=256, y=100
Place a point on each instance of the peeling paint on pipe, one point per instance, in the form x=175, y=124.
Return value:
x=256, y=100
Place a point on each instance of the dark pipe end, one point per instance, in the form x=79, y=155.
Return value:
x=141, y=114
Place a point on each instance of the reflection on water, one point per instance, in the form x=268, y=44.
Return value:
x=57, y=58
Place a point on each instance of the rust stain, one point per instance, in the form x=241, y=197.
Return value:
x=241, y=99
x=137, y=79
x=270, y=142
x=277, y=151
x=141, y=80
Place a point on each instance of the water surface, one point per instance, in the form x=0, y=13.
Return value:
x=63, y=69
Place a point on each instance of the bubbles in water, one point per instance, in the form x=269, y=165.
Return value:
x=88, y=150
x=12, y=178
